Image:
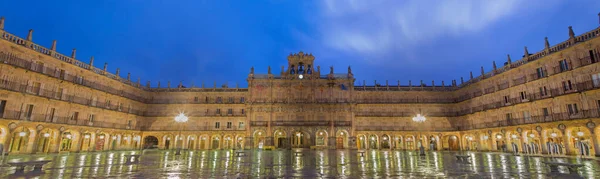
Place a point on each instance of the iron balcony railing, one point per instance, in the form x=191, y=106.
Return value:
x=564, y=116
x=55, y=119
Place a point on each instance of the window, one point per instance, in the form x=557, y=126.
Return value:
x=241, y=125
x=107, y=103
x=596, y=80
x=79, y=80
x=545, y=112
x=51, y=115
x=94, y=101
x=508, y=116
x=543, y=91
x=540, y=72
x=242, y=100
x=219, y=100
x=36, y=88
x=567, y=86
x=2, y=108
x=506, y=99
x=523, y=95
x=91, y=118
x=62, y=74
x=243, y=111
x=129, y=123
x=59, y=94
x=229, y=111
x=119, y=106
x=564, y=66
x=526, y=116
x=229, y=124
x=29, y=112
x=572, y=109
x=196, y=99
x=206, y=99
x=230, y=99
x=75, y=116
x=593, y=56
x=218, y=111
x=217, y=125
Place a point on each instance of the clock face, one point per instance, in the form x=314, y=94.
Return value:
x=300, y=76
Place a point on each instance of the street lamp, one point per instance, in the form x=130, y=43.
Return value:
x=420, y=119
x=181, y=118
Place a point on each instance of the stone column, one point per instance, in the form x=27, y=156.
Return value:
x=249, y=143
x=57, y=142
x=36, y=139
x=331, y=142
x=566, y=142
x=595, y=140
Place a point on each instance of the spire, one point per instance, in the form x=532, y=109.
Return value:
x=482, y=72
x=118, y=71
x=461, y=80
x=571, y=33
x=494, y=65
x=398, y=83
x=2, y=22
x=526, y=53
x=546, y=43
x=92, y=62
x=73, y=53
x=53, y=48
x=509, y=62
x=269, y=72
x=471, y=74
x=251, y=70
x=30, y=35
x=105, y=65
x=128, y=76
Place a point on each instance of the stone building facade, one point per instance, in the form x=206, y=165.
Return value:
x=546, y=103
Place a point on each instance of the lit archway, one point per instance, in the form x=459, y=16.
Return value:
x=150, y=142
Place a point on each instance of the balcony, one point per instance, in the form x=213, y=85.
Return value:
x=193, y=127
x=584, y=114
x=53, y=119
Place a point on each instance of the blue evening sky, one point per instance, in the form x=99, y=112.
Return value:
x=212, y=40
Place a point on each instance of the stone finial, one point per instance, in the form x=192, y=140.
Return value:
x=202, y=84
x=494, y=64
x=118, y=71
x=319, y=69
x=73, y=53
x=237, y=85
x=105, y=66
x=546, y=43
x=53, y=48
x=2, y=22
x=148, y=84
x=269, y=70
x=215, y=84
x=508, y=57
x=30, y=35
x=168, y=84
x=432, y=83
x=128, y=76
x=409, y=83
x=364, y=82
x=180, y=84
x=526, y=52
x=349, y=70
x=158, y=85
x=482, y=72
x=331, y=70
x=422, y=83
x=571, y=33
x=471, y=74
x=386, y=83
x=443, y=83
x=251, y=70
x=461, y=80
x=92, y=62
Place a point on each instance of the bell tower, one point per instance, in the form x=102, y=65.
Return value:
x=300, y=65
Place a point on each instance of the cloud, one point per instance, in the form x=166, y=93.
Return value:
x=379, y=27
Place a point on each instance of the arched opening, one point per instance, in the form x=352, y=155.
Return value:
x=515, y=140
x=114, y=141
x=167, y=142
x=240, y=142
x=321, y=138
x=362, y=142
x=19, y=141
x=433, y=142
x=86, y=143
x=581, y=140
x=227, y=142
x=100, y=139
x=150, y=142
x=65, y=142
x=373, y=141
x=470, y=142
x=500, y=143
x=204, y=142
x=399, y=142
x=125, y=142
x=452, y=142
x=300, y=140
x=280, y=139
x=532, y=144
x=385, y=142
x=259, y=139
x=215, y=144
x=341, y=140
x=136, y=141
x=410, y=143
x=191, y=142
x=44, y=140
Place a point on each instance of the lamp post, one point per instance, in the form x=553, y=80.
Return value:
x=420, y=119
x=181, y=118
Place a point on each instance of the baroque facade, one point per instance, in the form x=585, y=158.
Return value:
x=546, y=103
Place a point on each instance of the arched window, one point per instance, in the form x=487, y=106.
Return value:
x=300, y=68
x=292, y=70
x=309, y=71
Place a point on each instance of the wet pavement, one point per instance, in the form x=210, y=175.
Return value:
x=290, y=164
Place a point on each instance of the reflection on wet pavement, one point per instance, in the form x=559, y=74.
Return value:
x=285, y=164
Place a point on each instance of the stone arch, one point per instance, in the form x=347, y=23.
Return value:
x=410, y=142
x=450, y=142
x=500, y=142
x=321, y=138
x=191, y=142
x=300, y=139
x=215, y=141
x=204, y=141
x=68, y=141
x=580, y=141
x=385, y=142
x=150, y=142
x=168, y=141
x=21, y=137
x=46, y=140
x=228, y=142
x=280, y=139
x=341, y=139
x=532, y=142
x=362, y=141
x=259, y=138
x=239, y=141
x=554, y=141
x=373, y=141
x=399, y=142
